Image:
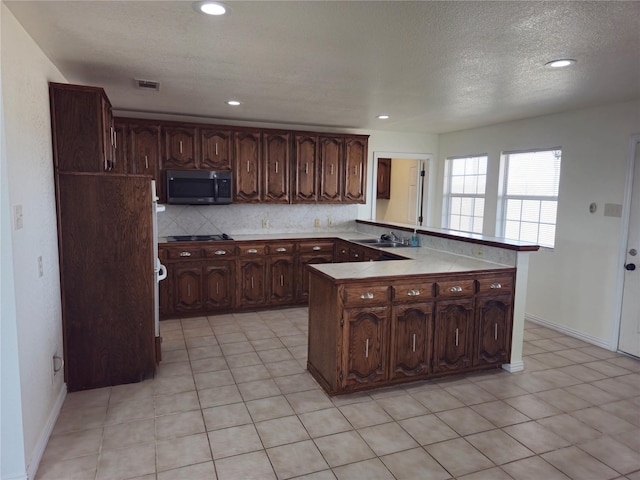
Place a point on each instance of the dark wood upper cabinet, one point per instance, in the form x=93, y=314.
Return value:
x=248, y=166
x=82, y=129
x=331, y=174
x=215, y=148
x=180, y=147
x=305, y=169
x=355, y=170
x=276, y=153
x=383, y=183
x=144, y=141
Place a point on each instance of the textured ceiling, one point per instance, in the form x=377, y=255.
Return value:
x=433, y=66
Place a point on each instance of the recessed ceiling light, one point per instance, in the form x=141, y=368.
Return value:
x=210, y=8
x=234, y=103
x=563, y=62
x=383, y=117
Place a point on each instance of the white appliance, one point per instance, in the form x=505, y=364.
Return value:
x=159, y=269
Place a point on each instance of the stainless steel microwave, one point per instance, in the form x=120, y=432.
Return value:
x=199, y=187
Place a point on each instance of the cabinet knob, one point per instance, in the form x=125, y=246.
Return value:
x=185, y=254
x=456, y=289
x=367, y=296
x=220, y=252
x=413, y=293
x=496, y=285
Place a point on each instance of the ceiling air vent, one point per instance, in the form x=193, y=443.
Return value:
x=147, y=85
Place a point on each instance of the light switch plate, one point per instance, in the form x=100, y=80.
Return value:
x=612, y=210
x=18, y=221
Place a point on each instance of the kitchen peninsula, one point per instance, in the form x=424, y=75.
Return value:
x=449, y=306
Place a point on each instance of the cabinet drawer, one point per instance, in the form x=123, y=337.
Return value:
x=456, y=288
x=252, y=249
x=220, y=251
x=316, y=247
x=184, y=253
x=280, y=248
x=365, y=295
x=496, y=285
x=412, y=292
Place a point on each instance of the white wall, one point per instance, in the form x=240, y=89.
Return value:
x=573, y=286
x=25, y=73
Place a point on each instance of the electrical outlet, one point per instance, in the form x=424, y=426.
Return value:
x=330, y=222
x=40, y=269
x=316, y=222
x=265, y=223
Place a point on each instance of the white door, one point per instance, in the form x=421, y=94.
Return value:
x=629, y=341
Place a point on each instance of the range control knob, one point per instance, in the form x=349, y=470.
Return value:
x=630, y=266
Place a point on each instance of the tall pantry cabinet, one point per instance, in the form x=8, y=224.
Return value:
x=105, y=242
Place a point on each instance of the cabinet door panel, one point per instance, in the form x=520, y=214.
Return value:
x=179, y=147
x=277, y=157
x=355, y=170
x=453, y=346
x=219, y=285
x=412, y=333
x=248, y=148
x=215, y=148
x=493, y=317
x=281, y=274
x=365, y=348
x=145, y=148
x=252, y=286
x=331, y=169
x=305, y=182
x=187, y=282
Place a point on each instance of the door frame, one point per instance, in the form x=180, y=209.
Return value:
x=634, y=142
x=428, y=164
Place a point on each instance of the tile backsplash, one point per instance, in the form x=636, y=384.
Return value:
x=242, y=219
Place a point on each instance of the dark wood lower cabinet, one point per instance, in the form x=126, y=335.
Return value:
x=411, y=339
x=366, y=346
x=219, y=286
x=253, y=274
x=453, y=338
x=187, y=281
x=493, y=316
x=370, y=333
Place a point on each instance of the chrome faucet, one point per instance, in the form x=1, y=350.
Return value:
x=395, y=237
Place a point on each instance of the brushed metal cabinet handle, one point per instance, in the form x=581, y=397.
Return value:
x=281, y=249
x=366, y=348
x=220, y=252
x=367, y=296
x=413, y=293
x=456, y=289
x=185, y=254
x=316, y=248
x=457, y=337
x=252, y=250
x=496, y=285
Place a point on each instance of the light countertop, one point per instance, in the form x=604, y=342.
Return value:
x=420, y=260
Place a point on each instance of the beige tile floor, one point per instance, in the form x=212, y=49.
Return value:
x=232, y=401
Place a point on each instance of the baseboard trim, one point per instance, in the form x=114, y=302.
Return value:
x=571, y=332
x=514, y=367
x=46, y=433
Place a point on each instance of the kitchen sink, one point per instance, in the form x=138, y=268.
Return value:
x=378, y=242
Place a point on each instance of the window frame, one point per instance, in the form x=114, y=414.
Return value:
x=448, y=196
x=503, y=197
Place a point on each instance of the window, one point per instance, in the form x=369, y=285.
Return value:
x=530, y=195
x=465, y=180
